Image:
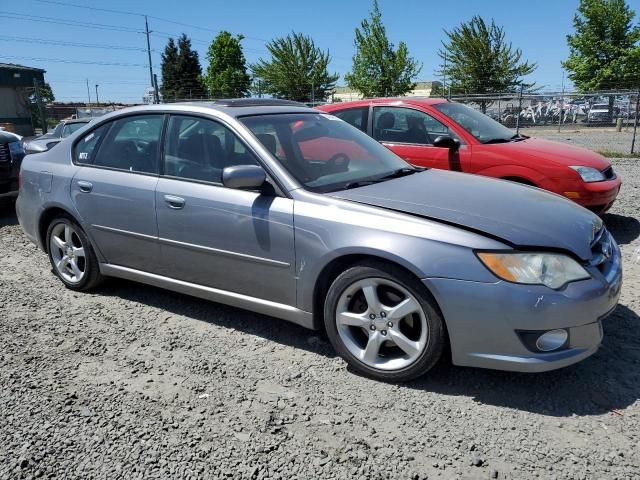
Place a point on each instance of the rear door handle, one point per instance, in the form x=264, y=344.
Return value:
x=174, y=202
x=85, y=187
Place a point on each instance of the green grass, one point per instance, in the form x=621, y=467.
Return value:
x=609, y=154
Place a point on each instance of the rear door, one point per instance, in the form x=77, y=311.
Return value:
x=234, y=240
x=409, y=133
x=114, y=189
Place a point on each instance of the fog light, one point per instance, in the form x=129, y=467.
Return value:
x=552, y=340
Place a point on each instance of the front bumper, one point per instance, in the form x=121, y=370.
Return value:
x=483, y=319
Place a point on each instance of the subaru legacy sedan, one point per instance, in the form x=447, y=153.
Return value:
x=227, y=201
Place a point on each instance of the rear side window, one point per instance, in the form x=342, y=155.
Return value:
x=132, y=144
x=356, y=117
x=86, y=147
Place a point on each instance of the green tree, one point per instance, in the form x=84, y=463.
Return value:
x=46, y=97
x=478, y=59
x=298, y=70
x=169, y=70
x=378, y=68
x=188, y=71
x=227, y=75
x=604, y=50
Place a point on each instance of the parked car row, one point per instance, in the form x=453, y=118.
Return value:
x=291, y=212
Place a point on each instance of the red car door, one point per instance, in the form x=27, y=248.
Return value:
x=409, y=133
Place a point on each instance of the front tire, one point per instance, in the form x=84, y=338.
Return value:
x=71, y=254
x=384, y=323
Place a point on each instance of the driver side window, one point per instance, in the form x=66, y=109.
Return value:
x=199, y=149
x=407, y=125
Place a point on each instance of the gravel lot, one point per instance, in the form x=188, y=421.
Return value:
x=604, y=139
x=135, y=382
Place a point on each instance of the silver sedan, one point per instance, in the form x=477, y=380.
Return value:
x=276, y=208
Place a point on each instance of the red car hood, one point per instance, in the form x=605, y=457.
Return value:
x=550, y=151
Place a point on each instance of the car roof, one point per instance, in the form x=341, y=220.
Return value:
x=232, y=108
x=418, y=101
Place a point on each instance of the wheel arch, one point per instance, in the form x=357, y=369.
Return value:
x=47, y=215
x=339, y=264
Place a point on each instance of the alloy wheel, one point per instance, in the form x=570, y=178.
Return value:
x=382, y=324
x=67, y=253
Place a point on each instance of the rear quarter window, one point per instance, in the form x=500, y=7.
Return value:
x=85, y=149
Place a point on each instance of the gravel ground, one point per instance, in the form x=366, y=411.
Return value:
x=604, y=139
x=135, y=382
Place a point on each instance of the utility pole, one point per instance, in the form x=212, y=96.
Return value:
x=519, y=110
x=635, y=123
x=561, y=103
x=146, y=31
x=43, y=120
x=88, y=93
x=155, y=87
x=97, y=98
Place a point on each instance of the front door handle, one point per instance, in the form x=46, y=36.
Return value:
x=174, y=202
x=85, y=187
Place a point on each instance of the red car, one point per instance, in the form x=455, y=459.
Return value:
x=437, y=133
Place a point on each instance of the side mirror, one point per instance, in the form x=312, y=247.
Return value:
x=445, y=141
x=244, y=177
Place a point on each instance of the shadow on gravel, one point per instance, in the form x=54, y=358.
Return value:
x=607, y=381
x=624, y=229
x=269, y=328
x=7, y=214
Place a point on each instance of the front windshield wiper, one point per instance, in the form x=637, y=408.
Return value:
x=401, y=172
x=515, y=138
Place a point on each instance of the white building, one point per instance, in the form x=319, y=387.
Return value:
x=346, y=94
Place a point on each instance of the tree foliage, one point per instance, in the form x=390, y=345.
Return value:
x=378, y=68
x=298, y=70
x=604, y=50
x=181, y=71
x=169, y=70
x=227, y=75
x=478, y=59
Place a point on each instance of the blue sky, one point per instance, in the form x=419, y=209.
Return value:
x=538, y=28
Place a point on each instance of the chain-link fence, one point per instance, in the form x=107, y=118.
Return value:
x=602, y=121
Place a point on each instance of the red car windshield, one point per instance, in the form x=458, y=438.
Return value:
x=484, y=128
x=324, y=153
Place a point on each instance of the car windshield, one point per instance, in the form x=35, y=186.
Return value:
x=69, y=128
x=484, y=128
x=325, y=153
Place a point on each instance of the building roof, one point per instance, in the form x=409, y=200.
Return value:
x=13, y=66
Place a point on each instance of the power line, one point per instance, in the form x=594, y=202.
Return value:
x=123, y=12
x=62, y=21
x=80, y=62
x=43, y=41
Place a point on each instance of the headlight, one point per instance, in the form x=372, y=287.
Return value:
x=15, y=149
x=551, y=269
x=589, y=174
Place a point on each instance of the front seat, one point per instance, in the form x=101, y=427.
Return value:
x=205, y=157
x=417, y=132
x=385, y=122
x=269, y=142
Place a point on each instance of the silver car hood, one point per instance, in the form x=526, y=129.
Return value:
x=522, y=216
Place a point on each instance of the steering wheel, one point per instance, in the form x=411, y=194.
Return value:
x=338, y=163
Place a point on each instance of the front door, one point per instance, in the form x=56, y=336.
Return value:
x=410, y=133
x=233, y=240
x=114, y=189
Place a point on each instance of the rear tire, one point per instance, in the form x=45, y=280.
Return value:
x=384, y=323
x=71, y=255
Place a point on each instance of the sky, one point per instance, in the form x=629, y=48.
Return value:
x=46, y=34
